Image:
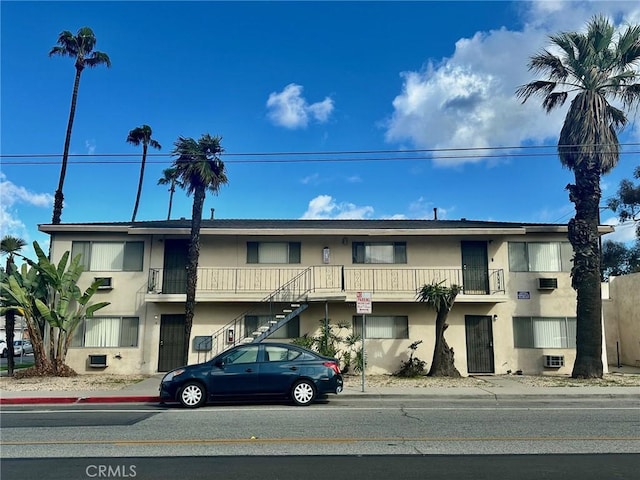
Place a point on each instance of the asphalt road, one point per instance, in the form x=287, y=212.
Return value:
x=340, y=439
x=347, y=467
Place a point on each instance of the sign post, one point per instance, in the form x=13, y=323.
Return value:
x=363, y=307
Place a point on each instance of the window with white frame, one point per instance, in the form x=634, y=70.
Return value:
x=291, y=329
x=273, y=252
x=379, y=326
x=540, y=256
x=544, y=332
x=379, y=252
x=107, y=332
x=109, y=256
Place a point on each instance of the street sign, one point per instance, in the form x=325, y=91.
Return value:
x=363, y=303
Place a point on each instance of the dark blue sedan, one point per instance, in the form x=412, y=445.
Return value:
x=265, y=370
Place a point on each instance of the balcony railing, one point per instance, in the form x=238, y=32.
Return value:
x=327, y=279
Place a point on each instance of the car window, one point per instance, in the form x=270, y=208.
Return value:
x=242, y=355
x=280, y=354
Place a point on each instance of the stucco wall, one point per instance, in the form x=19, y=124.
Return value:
x=622, y=320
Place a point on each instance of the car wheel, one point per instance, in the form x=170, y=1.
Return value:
x=303, y=393
x=192, y=395
x=5, y=353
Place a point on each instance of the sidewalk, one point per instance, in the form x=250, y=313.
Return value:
x=494, y=387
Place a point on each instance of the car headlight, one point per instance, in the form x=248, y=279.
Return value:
x=171, y=375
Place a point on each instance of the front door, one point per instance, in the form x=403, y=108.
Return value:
x=479, y=332
x=236, y=374
x=174, y=278
x=475, y=270
x=171, y=349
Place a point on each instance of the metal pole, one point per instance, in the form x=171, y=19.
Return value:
x=364, y=336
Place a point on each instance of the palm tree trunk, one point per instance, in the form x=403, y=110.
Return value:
x=10, y=323
x=142, y=165
x=172, y=190
x=192, y=266
x=583, y=235
x=442, y=364
x=59, y=196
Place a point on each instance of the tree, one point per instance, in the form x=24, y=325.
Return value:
x=137, y=136
x=199, y=169
x=9, y=246
x=170, y=177
x=595, y=67
x=79, y=47
x=627, y=202
x=441, y=298
x=63, y=307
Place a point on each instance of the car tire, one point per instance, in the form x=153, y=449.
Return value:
x=5, y=353
x=303, y=393
x=192, y=395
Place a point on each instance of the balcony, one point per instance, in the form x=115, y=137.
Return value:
x=324, y=282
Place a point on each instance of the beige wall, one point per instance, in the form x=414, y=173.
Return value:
x=622, y=320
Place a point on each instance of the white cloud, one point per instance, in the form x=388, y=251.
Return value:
x=468, y=100
x=624, y=232
x=326, y=207
x=91, y=146
x=290, y=109
x=12, y=196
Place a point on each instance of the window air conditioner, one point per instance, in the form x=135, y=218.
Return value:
x=97, y=361
x=547, y=283
x=553, y=361
x=106, y=283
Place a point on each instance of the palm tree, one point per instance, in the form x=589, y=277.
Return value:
x=198, y=168
x=9, y=246
x=595, y=67
x=170, y=177
x=79, y=47
x=441, y=299
x=137, y=136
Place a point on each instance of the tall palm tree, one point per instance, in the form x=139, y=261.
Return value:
x=595, y=68
x=199, y=169
x=79, y=47
x=170, y=177
x=9, y=246
x=137, y=136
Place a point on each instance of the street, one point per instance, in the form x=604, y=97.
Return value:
x=424, y=430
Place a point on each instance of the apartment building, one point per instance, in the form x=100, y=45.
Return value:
x=280, y=279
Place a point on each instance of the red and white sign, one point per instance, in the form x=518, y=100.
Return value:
x=363, y=302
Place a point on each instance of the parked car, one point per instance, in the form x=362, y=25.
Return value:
x=3, y=348
x=22, y=347
x=255, y=370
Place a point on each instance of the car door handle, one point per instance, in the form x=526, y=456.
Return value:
x=249, y=370
x=293, y=368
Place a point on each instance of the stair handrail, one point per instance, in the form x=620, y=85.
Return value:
x=271, y=299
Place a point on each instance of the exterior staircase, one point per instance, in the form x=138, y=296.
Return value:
x=274, y=311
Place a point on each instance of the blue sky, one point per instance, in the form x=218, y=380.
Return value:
x=310, y=78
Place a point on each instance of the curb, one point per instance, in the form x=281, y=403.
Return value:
x=68, y=400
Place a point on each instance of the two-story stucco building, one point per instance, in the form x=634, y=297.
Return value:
x=516, y=310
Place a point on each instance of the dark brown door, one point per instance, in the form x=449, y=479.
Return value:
x=171, y=351
x=174, y=278
x=475, y=270
x=479, y=332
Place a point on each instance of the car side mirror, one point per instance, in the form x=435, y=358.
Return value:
x=219, y=363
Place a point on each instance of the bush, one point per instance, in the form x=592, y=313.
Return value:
x=413, y=367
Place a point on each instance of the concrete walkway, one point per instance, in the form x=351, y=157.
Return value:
x=500, y=387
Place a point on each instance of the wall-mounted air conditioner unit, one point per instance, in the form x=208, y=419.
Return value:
x=106, y=283
x=547, y=283
x=97, y=361
x=553, y=361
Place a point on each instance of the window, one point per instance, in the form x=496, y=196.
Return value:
x=290, y=330
x=544, y=332
x=391, y=252
x=273, y=252
x=540, y=256
x=107, y=332
x=282, y=354
x=109, y=256
x=382, y=327
x=242, y=355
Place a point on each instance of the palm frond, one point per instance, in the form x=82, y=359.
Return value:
x=97, y=58
x=553, y=100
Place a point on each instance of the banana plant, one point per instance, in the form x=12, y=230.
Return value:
x=63, y=307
